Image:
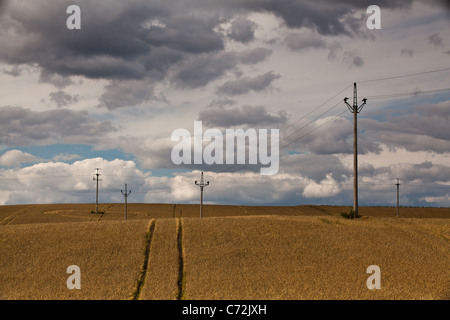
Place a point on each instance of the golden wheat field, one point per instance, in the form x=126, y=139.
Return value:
x=166, y=252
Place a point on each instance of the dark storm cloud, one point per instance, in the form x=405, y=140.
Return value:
x=15, y=71
x=120, y=93
x=335, y=50
x=21, y=126
x=198, y=71
x=2, y=5
x=182, y=42
x=436, y=40
x=62, y=99
x=40, y=28
x=426, y=129
x=299, y=42
x=315, y=167
x=190, y=33
x=252, y=116
x=326, y=17
x=254, y=56
x=407, y=52
x=245, y=85
x=334, y=138
x=441, y=109
x=221, y=103
x=125, y=32
x=353, y=59
x=242, y=30
x=426, y=172
x=117, y=39
x=55, y=79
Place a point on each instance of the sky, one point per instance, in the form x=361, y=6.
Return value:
x=110, y=94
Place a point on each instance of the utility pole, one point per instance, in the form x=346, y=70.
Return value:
x=201, y=185
x=125, y=194
x=398, y=188
x=96, y=174
x=355, y=110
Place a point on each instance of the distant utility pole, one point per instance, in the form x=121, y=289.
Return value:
x=355, y=110
x=96, y=175
x=125, y=194
x=201, y=185
x=398, y=188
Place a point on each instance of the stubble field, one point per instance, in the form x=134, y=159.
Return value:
x=165, y=251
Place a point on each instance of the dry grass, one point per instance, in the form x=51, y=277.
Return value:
x=34, y=259
x=315, y=258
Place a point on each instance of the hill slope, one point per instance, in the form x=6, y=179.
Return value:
x=225, y=257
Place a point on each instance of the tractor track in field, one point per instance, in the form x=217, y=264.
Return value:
x=13, y=216
x=177, y=211
x=181, y=274
x=141, y=279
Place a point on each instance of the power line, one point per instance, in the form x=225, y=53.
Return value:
x=317, y=108
x=371, y=98
x=405, y=94
x=310, y=122
x=405, y=75
x=316, y=128
x=297, y=130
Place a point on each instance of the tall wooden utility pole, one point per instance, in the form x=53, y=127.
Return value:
x=96, y=192
x=355, y=110
x=398, y=189
x=202, y=184
x=125, y=194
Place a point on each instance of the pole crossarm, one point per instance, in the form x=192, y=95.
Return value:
x=202, y=182
x=125, y=193
x=362, y=105
x=355, y=107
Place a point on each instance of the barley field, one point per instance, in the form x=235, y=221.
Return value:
x=53, y=213
x=277, y=257
x=166, y=252
x=35, y=257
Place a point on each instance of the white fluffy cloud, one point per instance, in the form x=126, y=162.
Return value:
x=57, y=182
x=14, y=158
x=328, y=187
